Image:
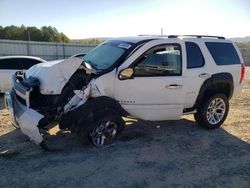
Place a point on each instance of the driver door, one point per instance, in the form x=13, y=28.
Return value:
x=155, y=90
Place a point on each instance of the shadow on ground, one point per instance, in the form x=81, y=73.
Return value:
x=148, y=154
x=1, y=101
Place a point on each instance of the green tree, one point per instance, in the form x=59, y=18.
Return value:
x=46, y=33
x=64, y=38
x=35, y=34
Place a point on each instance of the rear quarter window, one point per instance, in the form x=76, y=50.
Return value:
x=223, y=53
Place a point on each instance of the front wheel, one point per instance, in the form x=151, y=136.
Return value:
x=212, y=112
x=104, y=130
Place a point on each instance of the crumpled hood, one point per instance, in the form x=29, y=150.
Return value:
x=53, y=75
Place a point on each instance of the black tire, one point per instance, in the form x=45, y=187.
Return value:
x=205, y=120
x=102, y=117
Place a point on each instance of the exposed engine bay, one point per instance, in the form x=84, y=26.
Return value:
x=34, y=91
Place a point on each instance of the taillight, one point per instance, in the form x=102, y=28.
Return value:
x=242, y=73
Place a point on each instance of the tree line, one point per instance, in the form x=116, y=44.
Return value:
x=45, y=33
x=88, y=41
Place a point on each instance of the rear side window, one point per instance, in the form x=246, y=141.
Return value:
x=194, y=56
x=11, y=64
x=17, y=63
x=223, y=53
x=27, y=63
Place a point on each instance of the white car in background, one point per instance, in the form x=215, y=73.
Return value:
x=11, y=64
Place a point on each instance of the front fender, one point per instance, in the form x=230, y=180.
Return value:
x=85, y=114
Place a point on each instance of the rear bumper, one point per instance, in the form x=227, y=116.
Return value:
x=23, y=117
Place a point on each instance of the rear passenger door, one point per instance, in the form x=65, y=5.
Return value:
x=197, y=71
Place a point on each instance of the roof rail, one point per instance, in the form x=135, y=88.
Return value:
x=197, y=36
x=149, y=35
x=176, y=36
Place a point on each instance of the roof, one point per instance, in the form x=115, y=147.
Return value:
x=26, y=57
x=135, y=39
x=141, y=38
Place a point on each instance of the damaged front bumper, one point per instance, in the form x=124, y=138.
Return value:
x=23, y=117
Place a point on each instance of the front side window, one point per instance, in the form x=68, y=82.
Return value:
x=223, y=53
x=106, y=55
x=194, y=56
x=160, y=61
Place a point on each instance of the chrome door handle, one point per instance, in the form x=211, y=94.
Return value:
x=173, y=86
x=204, y=75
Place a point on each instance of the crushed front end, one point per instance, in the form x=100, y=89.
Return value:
x=34, y=104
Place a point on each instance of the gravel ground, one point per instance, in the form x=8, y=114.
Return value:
x=148, y=154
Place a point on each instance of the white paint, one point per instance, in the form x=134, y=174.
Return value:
x=28, y=122
x=53, y=75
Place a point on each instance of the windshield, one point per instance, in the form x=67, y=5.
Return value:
x=105, y=55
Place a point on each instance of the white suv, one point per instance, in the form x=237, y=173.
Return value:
x=149, y=77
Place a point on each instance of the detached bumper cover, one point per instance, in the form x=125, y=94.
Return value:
x=24, y=118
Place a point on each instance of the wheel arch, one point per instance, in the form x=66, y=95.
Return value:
x=86, y=113
x=218, y=83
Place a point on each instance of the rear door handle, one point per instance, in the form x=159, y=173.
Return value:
x=173, y=86
x=204, y=75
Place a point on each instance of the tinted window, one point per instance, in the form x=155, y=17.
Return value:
x=223, y=53
x=13, y=64
x=27, y=63
x=194, y=55
x=160, y=61
x=17, y=63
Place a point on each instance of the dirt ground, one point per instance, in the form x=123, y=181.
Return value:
x=148, y=154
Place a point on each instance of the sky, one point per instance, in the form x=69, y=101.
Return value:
x=80, y=19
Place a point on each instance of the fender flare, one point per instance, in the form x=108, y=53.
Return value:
x=212, y=84
x=85, y=114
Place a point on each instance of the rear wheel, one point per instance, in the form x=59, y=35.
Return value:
x=212, y=112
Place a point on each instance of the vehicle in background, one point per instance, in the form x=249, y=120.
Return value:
x=11, y=64
x=79, y=55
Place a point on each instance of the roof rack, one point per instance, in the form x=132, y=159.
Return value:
x=196, y=36
x=149, y=35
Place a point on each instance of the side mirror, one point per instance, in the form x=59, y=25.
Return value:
x=126, y=74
